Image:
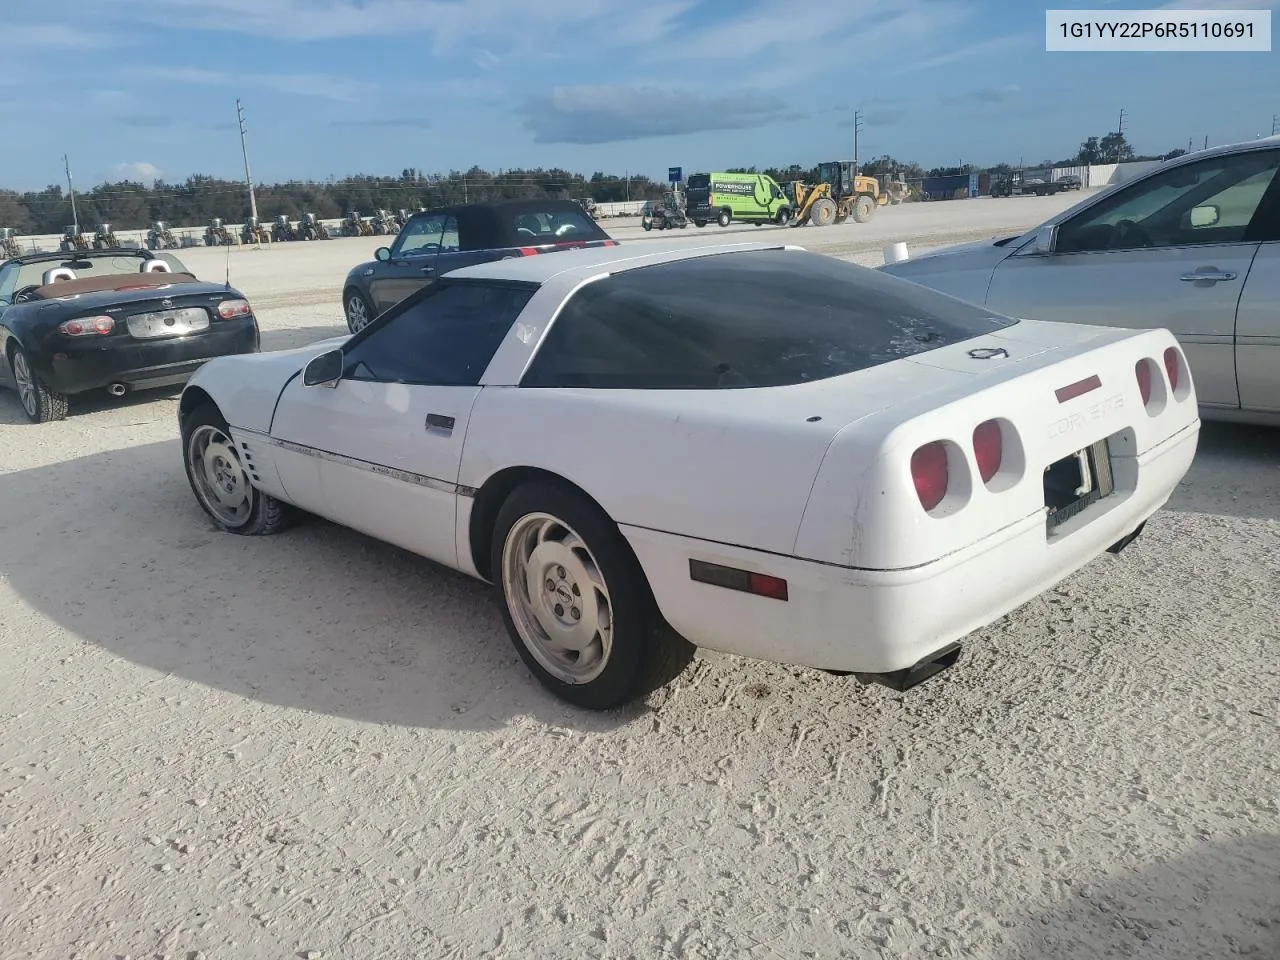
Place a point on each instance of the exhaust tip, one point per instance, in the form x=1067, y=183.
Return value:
x=117, y=389
x=913, y=676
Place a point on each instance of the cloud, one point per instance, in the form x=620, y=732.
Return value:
x=144, y=121
x=389, y=123
x=38, y=36
x=1002, y=94
x=138, y=171
x=321, y=86
x=454, y=26
x=612, y=113
x=1219, y=5
x=981, y=49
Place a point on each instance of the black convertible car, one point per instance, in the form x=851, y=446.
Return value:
x=433, y=242
x=117, y=319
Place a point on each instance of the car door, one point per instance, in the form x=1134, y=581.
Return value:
x=412, y=264
x=1171, y=250
x=382, y=445
x=1258, y=331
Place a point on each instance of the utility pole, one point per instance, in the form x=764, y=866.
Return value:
x=857, y=128
x=1206, y=141
x=75, y=218
x=248, y=177
x=1275, y=123
x=1121, y=129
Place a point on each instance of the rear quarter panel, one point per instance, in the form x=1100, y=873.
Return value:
x=709, y=472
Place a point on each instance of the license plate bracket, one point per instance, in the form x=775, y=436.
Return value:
x=176, y=322
x=1076, y=482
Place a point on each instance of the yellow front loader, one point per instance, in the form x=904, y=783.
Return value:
x=839, y=195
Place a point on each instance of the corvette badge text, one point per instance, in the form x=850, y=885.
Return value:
x=1081, y=418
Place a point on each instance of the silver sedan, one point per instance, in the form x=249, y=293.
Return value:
x=1192, y=245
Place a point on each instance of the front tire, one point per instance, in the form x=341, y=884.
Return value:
x=576, y=603
x=39, y=403
x=219, y=480
x=359, y=313
x=724, y=218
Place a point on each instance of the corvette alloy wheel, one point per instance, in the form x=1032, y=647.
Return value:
x=558, y=598
x=220, y=480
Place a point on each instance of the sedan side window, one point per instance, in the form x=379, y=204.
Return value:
x=445, y=338
x=1213, y=201
x=420, y=237
x=8, y=280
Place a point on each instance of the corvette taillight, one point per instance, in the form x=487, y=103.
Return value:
x=1143, y=372
x=988, y=448
x=930, y=474
x=1171, y=359
x=87, y=327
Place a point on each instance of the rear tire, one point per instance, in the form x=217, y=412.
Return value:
x=220, y=482
x=724, y=218
x=39, y=403
x=863, y=209
x=576, y=603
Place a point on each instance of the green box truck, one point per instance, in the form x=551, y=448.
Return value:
x=725, y=197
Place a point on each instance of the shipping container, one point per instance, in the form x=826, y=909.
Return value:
x=955, y=187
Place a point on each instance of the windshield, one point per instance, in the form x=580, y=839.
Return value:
x=90, y=264
x=761, y=318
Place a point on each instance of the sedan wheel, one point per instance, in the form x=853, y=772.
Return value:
x=576, y=602
x=38, y=402
x=359, y=313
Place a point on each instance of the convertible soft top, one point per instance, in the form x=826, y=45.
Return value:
x=115, y=281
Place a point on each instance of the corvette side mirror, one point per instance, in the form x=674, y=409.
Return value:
x=1045, y=240
x=324, y=370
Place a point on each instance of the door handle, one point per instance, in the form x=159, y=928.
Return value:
x=1209, y=275
x=428, y=269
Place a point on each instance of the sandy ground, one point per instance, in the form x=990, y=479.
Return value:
x=316, y=745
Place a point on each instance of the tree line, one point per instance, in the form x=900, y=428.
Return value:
x=129, y=205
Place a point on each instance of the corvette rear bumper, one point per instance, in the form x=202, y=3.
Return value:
x=141, y=364
x=880, y=621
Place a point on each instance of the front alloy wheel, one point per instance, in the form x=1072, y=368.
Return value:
x=219, y=480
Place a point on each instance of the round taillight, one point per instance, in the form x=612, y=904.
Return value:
x=1143, y=371
x=929, y=471
x=988, y=448
x=1171, y=367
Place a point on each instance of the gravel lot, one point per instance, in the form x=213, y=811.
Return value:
x=316, y=745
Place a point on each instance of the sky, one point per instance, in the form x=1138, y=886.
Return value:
x=146, y=90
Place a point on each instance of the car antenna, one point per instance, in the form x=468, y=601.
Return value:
x=228, y=266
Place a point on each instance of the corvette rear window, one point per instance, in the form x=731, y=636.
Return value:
x=761, y=318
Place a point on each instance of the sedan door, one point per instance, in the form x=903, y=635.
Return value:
x=1258, y=333
x=412, y=264
x=384, y=441
x=1172, y=250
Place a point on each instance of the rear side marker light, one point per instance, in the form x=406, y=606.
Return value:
x=87, y=327
x=1143, y=372
x=1077, y=389
x=230, y=309
x=744, y=581
x=930, y=474
x=1171, y=367
x=988, y=448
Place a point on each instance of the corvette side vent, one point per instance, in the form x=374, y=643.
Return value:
x=246, y=456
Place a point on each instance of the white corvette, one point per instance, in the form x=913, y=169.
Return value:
x=744, y=447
